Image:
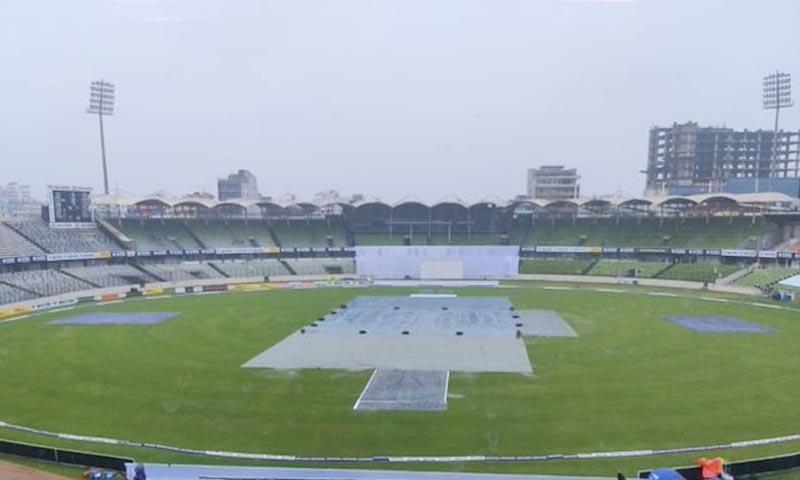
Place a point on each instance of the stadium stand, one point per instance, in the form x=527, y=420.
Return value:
x=520, y=232
x=13, y=244
x=465, y=239
x=766, y=277
x=731, y=232
x=231, y=233
x=386, y=239
x=549, y=266
x=109, y=275
x=9, y=294
x=309, y=233
x=26, y=238
x=625, y=268
x=173, y=272
x=63, y=240
x=322, y=266
x=451, y=224
x=698, y=272
x=255, y=234
x=159, y=234
x=252, y=268
x=45, y=282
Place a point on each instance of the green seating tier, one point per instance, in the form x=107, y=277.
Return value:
x=547, y=266
x=231, y=233
x=465, y=239
x=615, y=268
x=309, y=233
x=366, y=239
x=766, y=277
x=698, y=272
x=158, y=234
x=733, y=232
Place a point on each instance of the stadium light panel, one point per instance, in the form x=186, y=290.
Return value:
x=777, y=94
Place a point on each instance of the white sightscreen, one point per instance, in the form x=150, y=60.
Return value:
x=403, y=261
x=440, y=269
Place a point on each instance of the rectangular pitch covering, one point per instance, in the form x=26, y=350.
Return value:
x=112, y=318
x=718, y=325
x=542, y=323
x=424, y=391
x=459, y=334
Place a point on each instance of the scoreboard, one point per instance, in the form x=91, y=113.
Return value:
x=70, y=207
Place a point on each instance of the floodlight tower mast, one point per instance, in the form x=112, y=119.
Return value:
x=101, y=103
x=777, y=95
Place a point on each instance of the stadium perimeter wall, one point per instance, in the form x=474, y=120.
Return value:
x=211, y=285
x=743, y=468
x=648, y=282
x=63, y=456
x=198, y=286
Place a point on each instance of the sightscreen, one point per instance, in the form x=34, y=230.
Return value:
x=441, y=269
x=438, y=262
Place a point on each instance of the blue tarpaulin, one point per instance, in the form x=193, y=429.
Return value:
x=665, y=474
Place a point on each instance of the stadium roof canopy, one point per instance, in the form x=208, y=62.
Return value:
x=766, y=198
x=288, y=203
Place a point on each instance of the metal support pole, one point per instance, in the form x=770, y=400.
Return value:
x=103, y=153
x=774, y=146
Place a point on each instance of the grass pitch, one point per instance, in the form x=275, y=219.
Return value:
x=629, y=381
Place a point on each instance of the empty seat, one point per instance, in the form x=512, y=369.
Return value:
x=253, y=268
x=110, y=275
x=63, y=240
x=172, y=272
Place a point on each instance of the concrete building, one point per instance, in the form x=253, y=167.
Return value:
x=16, y=201
x=553, y=182
x=241, y=184
x=687, y=159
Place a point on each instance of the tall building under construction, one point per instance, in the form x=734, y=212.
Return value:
x=687, y=159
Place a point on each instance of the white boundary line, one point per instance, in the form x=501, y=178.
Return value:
x=409, y=459
x=62, y=309
x=111, y=302
x=366, y=387
x=660, y=294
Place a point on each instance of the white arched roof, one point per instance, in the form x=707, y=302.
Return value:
x=203, y=202
x=671, y=199
x=765, y=197
x=491, y=199
x=409, y=199
x=115, y=200
x=289, y=201
x=709, y=197
x=156, y=199
x=369, y=199
x=238, y=202
x=451, y=200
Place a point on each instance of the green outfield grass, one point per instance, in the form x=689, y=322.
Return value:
x=629, y=381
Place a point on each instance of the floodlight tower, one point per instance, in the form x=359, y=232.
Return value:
x=777, y=95
x=101, y=103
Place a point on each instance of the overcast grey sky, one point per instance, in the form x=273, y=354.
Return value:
x=430, y=98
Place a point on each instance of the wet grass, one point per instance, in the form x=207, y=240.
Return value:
x=629, y=381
